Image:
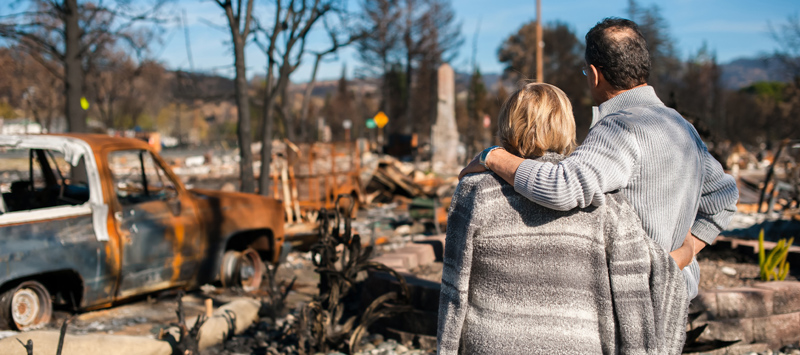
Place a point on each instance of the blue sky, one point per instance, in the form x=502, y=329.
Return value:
x=732, y=28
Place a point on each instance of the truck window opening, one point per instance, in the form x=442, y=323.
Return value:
x=39, y=178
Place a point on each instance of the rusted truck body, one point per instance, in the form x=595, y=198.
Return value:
x=100, y=219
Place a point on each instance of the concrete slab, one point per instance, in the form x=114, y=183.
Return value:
x=435, y=241
x=46, y=342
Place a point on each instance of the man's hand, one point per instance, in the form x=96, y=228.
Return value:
x=473, y=167
x=683, y=256
x=501, y=162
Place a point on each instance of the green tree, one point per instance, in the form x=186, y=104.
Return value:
x=476, y=108
x=563, y=59
x=665, y=64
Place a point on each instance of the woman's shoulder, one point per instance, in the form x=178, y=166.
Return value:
x=480, y=182
x=620, y=210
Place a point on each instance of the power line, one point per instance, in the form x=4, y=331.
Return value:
x=186, y=39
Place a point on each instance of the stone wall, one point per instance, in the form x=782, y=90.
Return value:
x=765, y=316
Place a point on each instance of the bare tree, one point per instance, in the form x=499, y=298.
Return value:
x=124, y=89
x=407, y=40
x=70, y=33
x=285, y=46
x=29, y=87
x=110, y=84
x=664, y=60
x=788, y=37
x=438, y=42
x=334, y=34
x=379, y=50
x=339, y=106
x=240, y=20
x=700, y=96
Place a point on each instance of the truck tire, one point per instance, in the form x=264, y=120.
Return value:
x=26, y=306
x=243, y=269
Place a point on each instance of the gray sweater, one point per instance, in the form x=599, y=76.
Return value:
x=520, y=278
x=656, y=159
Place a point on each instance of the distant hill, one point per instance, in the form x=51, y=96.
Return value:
x=323, y=88
x=489, y=79
x=199, y=85
x=744, y=72
x=736, y=74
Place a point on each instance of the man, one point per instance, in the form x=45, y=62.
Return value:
x=638, y=146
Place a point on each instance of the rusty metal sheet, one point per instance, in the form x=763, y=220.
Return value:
x=58, y=245
x=229, y=213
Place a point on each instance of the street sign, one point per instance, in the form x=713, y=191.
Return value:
x=371, y=123
x=381, y=119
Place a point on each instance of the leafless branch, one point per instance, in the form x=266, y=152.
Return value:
x=213, y=25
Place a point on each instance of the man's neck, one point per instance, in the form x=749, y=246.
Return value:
x=610, y=94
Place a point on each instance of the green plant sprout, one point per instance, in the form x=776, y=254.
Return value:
x=776, y=258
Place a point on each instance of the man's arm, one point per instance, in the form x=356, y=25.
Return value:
x=604, y=163
x=717, y=202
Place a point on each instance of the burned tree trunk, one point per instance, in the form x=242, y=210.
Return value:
x=240, y=30
x=243, y=128
x=73, y=69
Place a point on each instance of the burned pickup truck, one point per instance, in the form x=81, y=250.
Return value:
x=90, y=220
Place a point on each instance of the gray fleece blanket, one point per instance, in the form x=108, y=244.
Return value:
x=523, y=279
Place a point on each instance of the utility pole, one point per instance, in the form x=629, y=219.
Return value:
x=178, y=108
x=539, y=43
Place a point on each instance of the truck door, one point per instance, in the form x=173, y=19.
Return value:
x=157, y=225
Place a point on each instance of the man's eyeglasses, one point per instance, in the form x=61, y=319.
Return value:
x=585, y=69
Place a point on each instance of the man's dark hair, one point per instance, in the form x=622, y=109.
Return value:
x=616, y=47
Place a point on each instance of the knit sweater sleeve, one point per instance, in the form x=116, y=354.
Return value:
x=717, y=201
x=463, y=221
x=605, y=162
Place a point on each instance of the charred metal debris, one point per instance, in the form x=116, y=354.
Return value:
x=339, y=258
x=782, y=183
x=335, y=320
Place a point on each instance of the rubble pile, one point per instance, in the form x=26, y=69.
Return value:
x=393, y=180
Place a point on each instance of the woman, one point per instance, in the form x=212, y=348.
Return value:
x=523, y=279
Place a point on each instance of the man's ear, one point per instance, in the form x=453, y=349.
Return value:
x=596, y=74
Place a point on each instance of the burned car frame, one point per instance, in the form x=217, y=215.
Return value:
x=90, y=220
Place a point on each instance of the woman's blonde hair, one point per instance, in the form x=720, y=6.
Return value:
x=536, y=119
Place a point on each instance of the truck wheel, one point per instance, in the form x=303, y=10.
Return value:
x=242, y=269
x=26, y=306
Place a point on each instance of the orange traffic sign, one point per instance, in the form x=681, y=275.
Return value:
x=381, y=119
